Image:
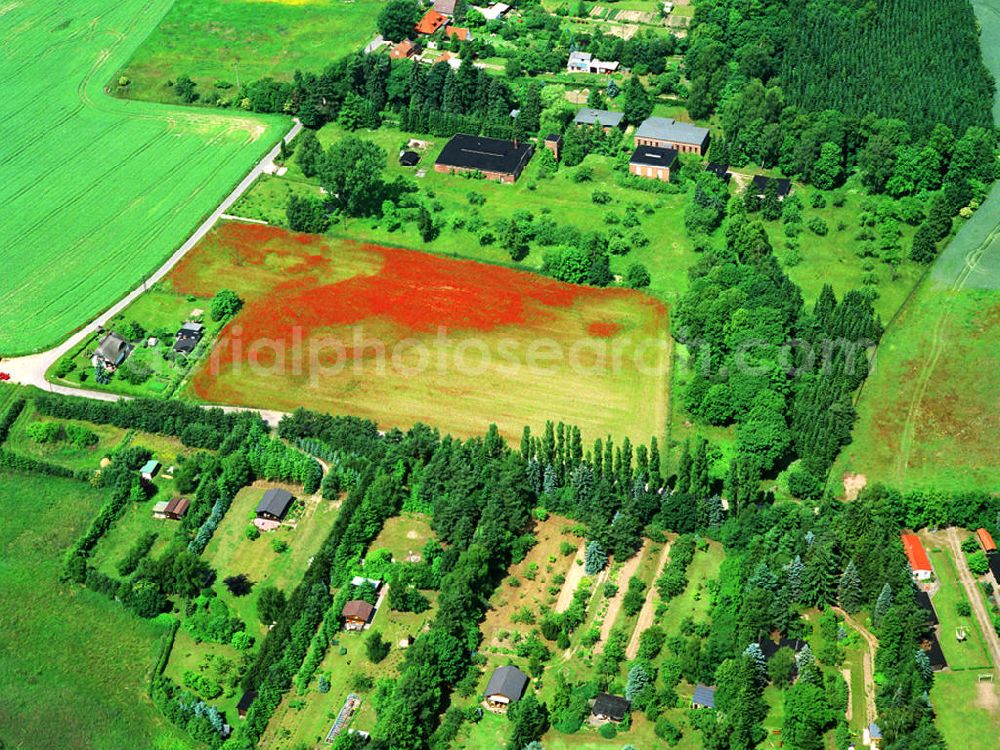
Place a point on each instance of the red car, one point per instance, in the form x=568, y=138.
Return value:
x=4, y=376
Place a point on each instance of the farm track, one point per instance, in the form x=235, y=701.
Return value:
x=938, y=343
x=648, y=611
x=868, y=662
x=627, y=570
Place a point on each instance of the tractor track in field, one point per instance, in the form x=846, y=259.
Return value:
x=938, y=342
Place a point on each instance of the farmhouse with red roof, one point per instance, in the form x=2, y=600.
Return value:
x=986, y=540
x=431, y=22
x=920, y=564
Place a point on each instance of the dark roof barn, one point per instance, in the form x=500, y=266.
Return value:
x=509, y=682
x=485, y=154
x=275, y=503
x=613, y=707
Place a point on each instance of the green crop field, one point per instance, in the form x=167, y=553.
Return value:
x=96, y=191
x=73, y=664
x=235, y=41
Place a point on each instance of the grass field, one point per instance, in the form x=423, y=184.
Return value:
x=401, y=337
x=967, y=711
x=928, y=415
x=62, y=453
x=238, y=41
x=72, y=245
x=970, y=653
x=231, y=553
x=73, y=665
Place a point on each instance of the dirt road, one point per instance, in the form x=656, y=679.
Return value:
x=974, y=596
x=868, y=662
x=648, y=607
x=573, y=577
x=615, y=604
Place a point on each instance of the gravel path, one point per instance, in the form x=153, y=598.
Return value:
x=573, y=577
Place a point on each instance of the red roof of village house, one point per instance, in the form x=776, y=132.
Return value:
x=402, y=50
x=431, y=22
x=915, y=552
x=986, y=540
x=458, y=31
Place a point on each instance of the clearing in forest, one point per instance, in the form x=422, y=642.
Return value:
x=96, y=192
x=402, y=337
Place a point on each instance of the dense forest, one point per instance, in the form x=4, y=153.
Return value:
x=906, y=59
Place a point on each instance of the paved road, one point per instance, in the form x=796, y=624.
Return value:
x=30, y=370
x=975, y=597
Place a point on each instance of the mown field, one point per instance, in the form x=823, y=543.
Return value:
x=73, y=664
x=95, y=191
x=401, y=336
x=236, y=41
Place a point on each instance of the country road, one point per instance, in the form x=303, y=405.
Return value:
x=974, y=596
x=31, y=369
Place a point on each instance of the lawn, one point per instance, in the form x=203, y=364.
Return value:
x=404, y=535
x=73, y=664
x=159, y=313
x=927, y=417
x=230, y=553
x=307, y=718
x=968, y=654
x=967, y=711
x=62, y=452
x=401, y=337
x=72, y=244
x=238, y=41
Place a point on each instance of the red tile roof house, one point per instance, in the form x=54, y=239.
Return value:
x=404, y=49
x=462, y=33
x=920, y=564
x=431, y=22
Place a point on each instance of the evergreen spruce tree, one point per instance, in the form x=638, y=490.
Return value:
x=700, y=485
x=638, y=678
x=882, y=604
x=794, y=572
x=594, y=559
x=534, y=473
x=758, y=661
x=849, y=592
x=924, y=667
x=819, y=582
x=550, y=482
x=526, y=443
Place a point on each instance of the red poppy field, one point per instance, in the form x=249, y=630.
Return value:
x=401, y=336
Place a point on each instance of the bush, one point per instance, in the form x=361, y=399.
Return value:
x=251, y=532
x=583, y=174
x=608, y=731
x=225, y=304
x=279, y=545
x=978, y=563
x=377, y=647
x=601, y=198
x=818, y=200
x=80, y=436
x=818, y=226
x=667, y=731
x=962, y=609
x=637, y=276
x=45, y=432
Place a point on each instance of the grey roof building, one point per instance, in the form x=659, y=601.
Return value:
x=704, y=697
x=507, y=685
x=602, y=117
x=610, y=707
x=112, y=349
x=274, y=504
x=666, y=130
x=650, y=156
